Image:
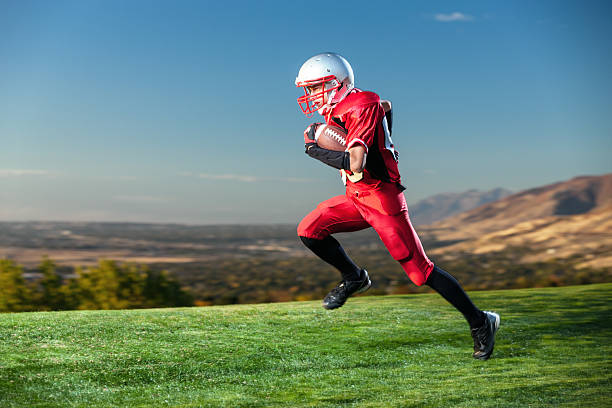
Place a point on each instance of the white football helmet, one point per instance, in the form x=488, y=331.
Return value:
x=331, y=71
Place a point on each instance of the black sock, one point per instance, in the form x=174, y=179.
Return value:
x=330, y=250
x=447, y=286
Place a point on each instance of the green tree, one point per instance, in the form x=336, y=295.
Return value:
x=52, y=297
x=71, y=292
x=15, y=295
x=160, y=290
x=114, y=286
x=99, y=287
x=131, y=280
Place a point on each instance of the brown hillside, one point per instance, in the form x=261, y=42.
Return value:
x=444, y=205
x=588, y=235
x=580, y=195
x=555, y=221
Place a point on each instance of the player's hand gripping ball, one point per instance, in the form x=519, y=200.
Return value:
x=331, y=137
x=326, y=136
x=309, y=134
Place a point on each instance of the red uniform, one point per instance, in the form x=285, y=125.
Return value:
x=376, y=200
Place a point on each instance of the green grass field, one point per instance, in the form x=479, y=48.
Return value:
x=553, y=349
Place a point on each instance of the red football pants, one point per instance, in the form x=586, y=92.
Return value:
x=383, y=208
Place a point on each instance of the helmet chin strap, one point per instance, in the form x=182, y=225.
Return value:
x=341, y=92
x=324, y=110
x=327, y=107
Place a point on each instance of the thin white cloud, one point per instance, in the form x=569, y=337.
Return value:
x=236, y=177
x=140, y=199
x=455, y=16
x=245, y=178
x=23, y=172
x=293, y=179
x=115, y=178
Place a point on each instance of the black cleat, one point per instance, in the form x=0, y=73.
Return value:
x=340, y=293
x=484, y=336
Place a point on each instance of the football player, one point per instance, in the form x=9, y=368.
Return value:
x=374, y=193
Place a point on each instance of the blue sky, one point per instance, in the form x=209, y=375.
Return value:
x=185, y=111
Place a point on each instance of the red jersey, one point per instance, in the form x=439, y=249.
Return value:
x=363, y=117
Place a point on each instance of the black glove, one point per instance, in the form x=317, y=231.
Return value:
x=309, y=135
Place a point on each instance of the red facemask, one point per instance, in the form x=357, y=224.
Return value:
x=311, y=102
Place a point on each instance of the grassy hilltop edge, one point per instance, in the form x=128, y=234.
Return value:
x=553, y=349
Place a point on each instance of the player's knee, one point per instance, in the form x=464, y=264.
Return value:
x=311, y=227
x=300, y=229
x=414, y=272
x=305, y=229
x=418, y=279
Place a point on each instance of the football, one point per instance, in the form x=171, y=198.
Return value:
x=331, y=137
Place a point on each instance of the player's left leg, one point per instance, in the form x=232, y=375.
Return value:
x=337, y=214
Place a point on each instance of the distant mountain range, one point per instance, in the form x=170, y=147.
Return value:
x=441, y=206
x=570, y=218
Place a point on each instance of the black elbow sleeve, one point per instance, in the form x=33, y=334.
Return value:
x=335, y=159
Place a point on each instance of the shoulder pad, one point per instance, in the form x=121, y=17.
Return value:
x=354, y=100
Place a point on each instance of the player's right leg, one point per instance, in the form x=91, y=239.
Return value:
x=335, y=215
x=385, y=209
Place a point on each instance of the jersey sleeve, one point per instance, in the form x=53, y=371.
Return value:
x=361, y=124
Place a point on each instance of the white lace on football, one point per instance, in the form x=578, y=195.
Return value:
x=336, y=136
